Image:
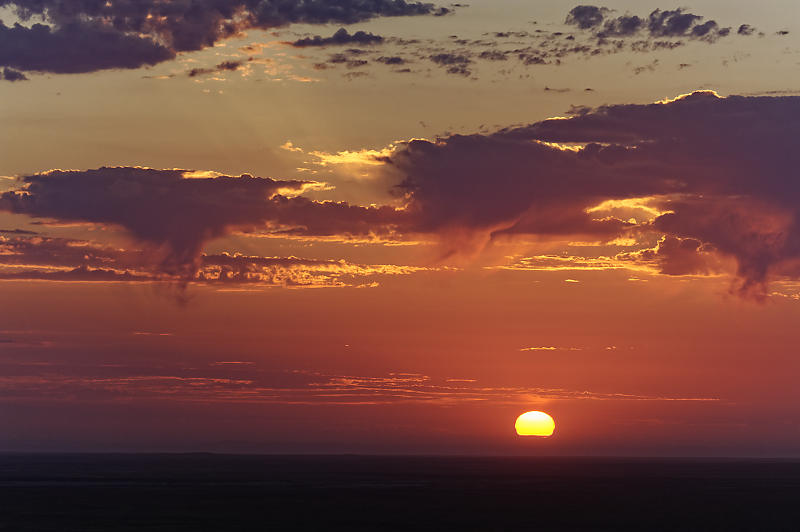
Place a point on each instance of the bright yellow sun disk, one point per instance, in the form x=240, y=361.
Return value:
x=535, y=423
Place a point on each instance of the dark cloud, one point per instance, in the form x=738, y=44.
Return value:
x=746, y=29
x=623, y=26
x=341, y=37
x=17, y=232
x=356, y=63
x=507, y=34
x=76, y=47
x=26, y=255
x=453, y=63
x=674, y=23
x=601, y=34
x=91, y=35
x=493, y=55
x=450, y=59
x=586, y=17
x=473, y=188
x=176, y=215
x=9, y=74
x=725, y=167
x=349, y=58
x=225, y=66
x=27, y=250
x=391, y=60
x=717, y=176
x=678, y=256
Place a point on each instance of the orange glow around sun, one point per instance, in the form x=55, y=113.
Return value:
x=535, y=423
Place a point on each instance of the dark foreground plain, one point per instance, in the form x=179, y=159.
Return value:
x=203, y=492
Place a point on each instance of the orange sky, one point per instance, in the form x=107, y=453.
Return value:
x=279, y=256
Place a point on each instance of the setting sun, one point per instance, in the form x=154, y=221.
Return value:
x=535, y=423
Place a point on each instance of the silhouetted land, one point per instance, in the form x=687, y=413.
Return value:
x=199, y=492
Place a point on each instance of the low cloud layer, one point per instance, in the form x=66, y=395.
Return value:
x=80, y=37
x=719, y=172
x=694, y=183
x=175, y=212
x=38, y=258
x=246, y=381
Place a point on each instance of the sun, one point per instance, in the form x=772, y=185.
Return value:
x=535, y=423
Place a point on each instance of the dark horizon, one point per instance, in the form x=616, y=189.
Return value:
x=235, y=492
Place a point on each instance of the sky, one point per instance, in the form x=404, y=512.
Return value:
x=384, y=226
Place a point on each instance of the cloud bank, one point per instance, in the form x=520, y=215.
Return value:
x=694, y=181
x=86, y=36
x=37, y=258
x=175, y=212
x=720, y=173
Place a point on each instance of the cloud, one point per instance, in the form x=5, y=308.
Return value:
x=722, y=167
x=225, y=66
x=349, y=58
x=586, y=17
x=17, y=232
x=674, y=23
x=559, y=263
x=453, y=63
x=76, y=47
x=477, y=187
x=695, y=182
x=40, y=252
x=678, y=256
x=79, y=274
x=290, y=271
x=391, y=60
x=600, y=34
x=9, y=74
x=624, y=26
x=746, y=29
x=62, y=259
x=89, y=36
x=249, y=383
x=175, y=213
x=493, y=55
x=341, y=37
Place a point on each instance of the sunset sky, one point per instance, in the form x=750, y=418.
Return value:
x=385, y=226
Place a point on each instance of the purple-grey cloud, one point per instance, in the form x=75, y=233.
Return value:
x=91, y=35
x=176, y=213
x=724, y=167
x=717, y=173
x=341, y=37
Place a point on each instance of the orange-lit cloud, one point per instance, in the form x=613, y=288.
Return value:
x=58, y=259
x=688, y=184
